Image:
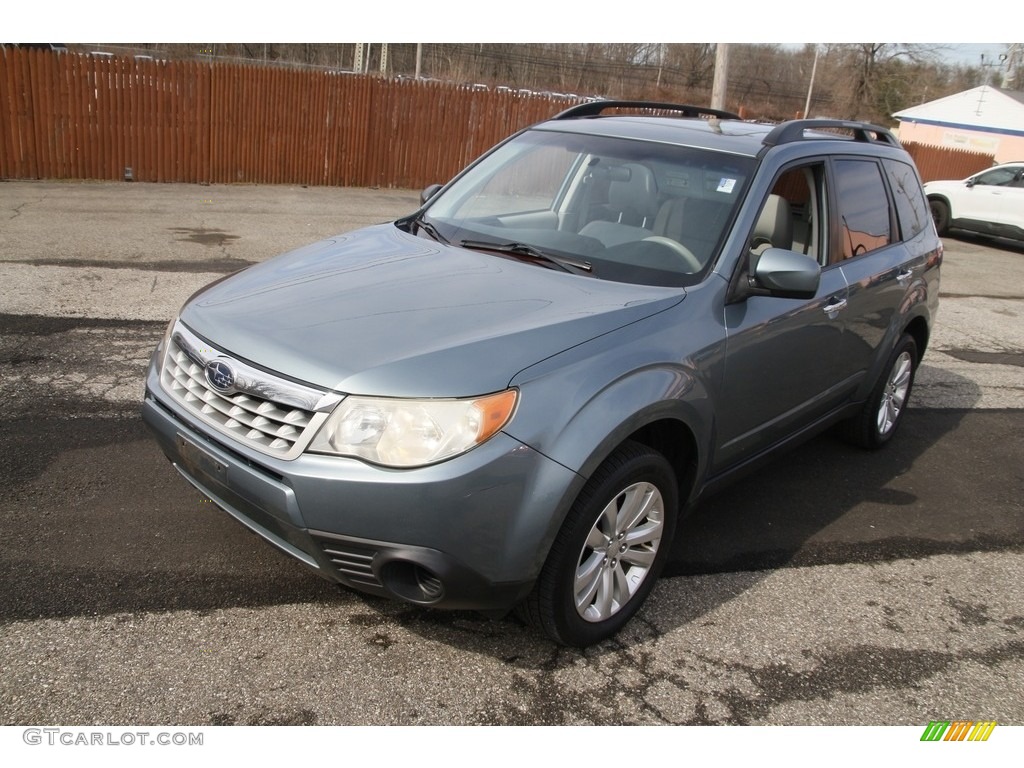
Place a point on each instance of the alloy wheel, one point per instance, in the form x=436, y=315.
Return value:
x=619, y=551
x=895, y=393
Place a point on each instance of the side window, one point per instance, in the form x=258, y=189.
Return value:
x=911, y=207
x=863, y=207
x=997, y=177
x=790, y=216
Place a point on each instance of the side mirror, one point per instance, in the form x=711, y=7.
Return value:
x=787, y=274
x=429, y=192
x=970, y=183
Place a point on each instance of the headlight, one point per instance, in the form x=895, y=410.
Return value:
x=412, y=433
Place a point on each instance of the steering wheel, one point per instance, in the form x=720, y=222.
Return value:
x=692, y=262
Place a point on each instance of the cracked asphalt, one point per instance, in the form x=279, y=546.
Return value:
x=834, y=586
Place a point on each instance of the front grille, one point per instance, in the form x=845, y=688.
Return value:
x=266, y=415
x=351, y=562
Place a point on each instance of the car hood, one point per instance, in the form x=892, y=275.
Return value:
x=382, y=312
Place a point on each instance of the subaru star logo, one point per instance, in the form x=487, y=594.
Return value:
x=220, y=375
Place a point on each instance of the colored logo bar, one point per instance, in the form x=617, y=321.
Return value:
x=958, y=730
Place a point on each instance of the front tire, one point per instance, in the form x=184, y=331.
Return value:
x=610, y=550
x=940, y=215
x=884, y=409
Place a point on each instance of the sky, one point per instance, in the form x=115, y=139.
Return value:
x=970, y=53
x=395, y=21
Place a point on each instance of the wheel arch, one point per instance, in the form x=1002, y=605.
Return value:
x=920, y=332
x=672, y=427
x=676, y=441
x=663, y=427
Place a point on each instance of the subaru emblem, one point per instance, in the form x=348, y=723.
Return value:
x=220, y=375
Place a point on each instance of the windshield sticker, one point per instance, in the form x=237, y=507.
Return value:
x=726, y=185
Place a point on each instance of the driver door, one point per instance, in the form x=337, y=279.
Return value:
x=781, y=367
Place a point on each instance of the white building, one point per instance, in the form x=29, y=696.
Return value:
x=983, y=119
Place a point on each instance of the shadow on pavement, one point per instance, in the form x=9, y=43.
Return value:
x=929, y=491
x=96, y=522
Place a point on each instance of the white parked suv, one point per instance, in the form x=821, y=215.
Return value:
x=990, y=202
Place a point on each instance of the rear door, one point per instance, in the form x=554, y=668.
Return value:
x=886, y=248
x=1009, y=202
x=876, y=264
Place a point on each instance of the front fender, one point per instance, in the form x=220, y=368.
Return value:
x=581, y=435
x=577, y=407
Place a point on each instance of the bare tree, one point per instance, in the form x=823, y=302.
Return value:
x=879, y=71
x=694, y=63
x=864, y=80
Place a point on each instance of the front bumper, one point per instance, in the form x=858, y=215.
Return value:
x=468, y=533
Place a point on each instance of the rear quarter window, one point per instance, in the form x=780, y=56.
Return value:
x=911, y=207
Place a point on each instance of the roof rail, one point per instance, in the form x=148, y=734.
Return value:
x=793, y=130
x=595, y=108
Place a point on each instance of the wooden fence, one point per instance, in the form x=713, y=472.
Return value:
x=947, y=163
x=71, y=116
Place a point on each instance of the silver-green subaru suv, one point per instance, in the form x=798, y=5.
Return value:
x=507, y=399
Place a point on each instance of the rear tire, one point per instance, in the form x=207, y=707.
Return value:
x=883, y=411
x=611, y=548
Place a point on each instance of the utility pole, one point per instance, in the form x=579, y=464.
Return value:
x=1013, y=65
x=721, y=76
x=419, y=59
x=810, y=88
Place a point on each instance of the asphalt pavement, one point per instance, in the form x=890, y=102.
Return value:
x=834, y=586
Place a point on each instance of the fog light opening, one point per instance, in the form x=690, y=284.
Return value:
x=412, y=582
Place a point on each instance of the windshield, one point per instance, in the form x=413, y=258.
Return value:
x=626, y=210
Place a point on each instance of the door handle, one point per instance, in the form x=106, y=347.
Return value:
x=904, y=275
x=834, y=307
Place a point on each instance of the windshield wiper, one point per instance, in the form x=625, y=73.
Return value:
x=429, y=228
x=522, y=249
